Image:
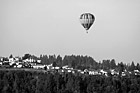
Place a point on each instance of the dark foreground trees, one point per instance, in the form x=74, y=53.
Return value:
x=39, y=82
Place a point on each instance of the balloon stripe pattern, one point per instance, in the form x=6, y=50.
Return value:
x=87, y=20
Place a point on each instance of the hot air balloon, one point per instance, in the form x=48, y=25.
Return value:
x=87, y=20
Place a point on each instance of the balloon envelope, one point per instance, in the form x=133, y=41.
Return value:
x=87, y=20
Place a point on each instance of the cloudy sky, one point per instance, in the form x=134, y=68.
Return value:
x=53, y=27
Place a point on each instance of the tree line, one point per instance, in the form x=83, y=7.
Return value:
x=87, y=62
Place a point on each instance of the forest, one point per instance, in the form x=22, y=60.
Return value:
x=38, y=82
x=87, y=62
x=21, y=81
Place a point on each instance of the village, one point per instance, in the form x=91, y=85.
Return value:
x=35, y=64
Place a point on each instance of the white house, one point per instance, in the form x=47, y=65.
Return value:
x=1, y=59
x=39, y=66
x=91, y=73
x=49, y=66
x=136, y=70
x=11, y=59
x=38, y=61
x=19, y=66
x=113, y=72
x=82, y=72
x=0, y=63
x=17, y=59
x=69, y=70
x=123, y=74
x=55, y=67
x=103, y=72
x=65, y=67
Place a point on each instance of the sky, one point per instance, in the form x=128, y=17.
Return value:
x=53, y=27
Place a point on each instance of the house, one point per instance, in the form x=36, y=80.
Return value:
x=69, y=70
x=123, y=74
x=17, y=59
x=82, y=72
x=38, y=61
x=12, y=63
x=32, y=60
x=19, y=66
x=91, y=73
x=56, y=67
x=39, y=66
x=1, y=63
x=136, y=70
x=11, y=59
x=113, y=72
x=103, y=72
x=1, y=59
x=65, y=67
x=49, y=66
